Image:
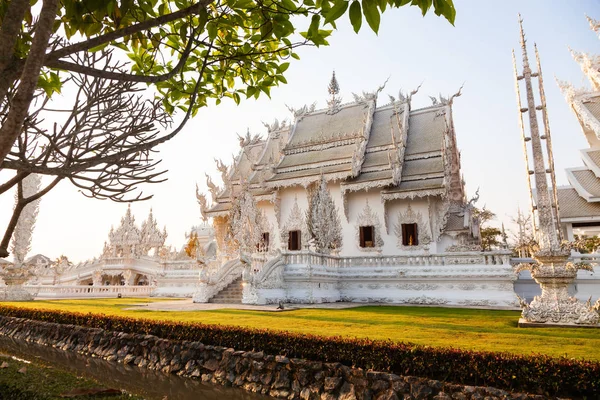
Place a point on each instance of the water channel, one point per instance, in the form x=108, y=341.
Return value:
x=150, y=384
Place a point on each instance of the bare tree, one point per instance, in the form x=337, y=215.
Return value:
x=102, y=143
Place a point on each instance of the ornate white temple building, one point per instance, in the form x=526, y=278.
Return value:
x=135, y=257
x=354, y=202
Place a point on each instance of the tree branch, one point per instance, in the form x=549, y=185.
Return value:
x=21, y=203
x=9, y=32
x=129, y=30
x=20, y=175
x=13, y=124
x=118, y=76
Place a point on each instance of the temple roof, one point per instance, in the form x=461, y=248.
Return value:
x=359, y=144
x=321, y=127
x=324, y=143
x=591, y=158
x=572, y=205
x=585, y=183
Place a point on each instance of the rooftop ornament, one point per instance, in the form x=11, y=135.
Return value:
x=334, y=101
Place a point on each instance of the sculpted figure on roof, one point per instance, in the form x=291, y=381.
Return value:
x=224, y=170
x=203, y=204
x=214, y=189
x=302, y=111
x=249, y=139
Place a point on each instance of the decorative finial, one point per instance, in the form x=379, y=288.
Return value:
x=594, y=24
x=334, y=101
x=523, y=44
x=334, y=87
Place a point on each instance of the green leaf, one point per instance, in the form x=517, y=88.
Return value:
x=283, y=67
x=212, y=30
x=445, y=8
x=424, y=5
x=314, y=26
x=371, y=14
x=339, y=8
x=250, y=91
x=355, y=15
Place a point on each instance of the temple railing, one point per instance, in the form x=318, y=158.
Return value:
x=591, y=258
x=91, y=291
x=458, y=258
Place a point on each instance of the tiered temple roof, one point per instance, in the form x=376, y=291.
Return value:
x=581, y=200
x=406, y=153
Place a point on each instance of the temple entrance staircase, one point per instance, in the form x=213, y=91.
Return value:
x=232, y=294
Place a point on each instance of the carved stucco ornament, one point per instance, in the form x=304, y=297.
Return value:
x=369, y=218
x=411, y=217
x=554, y=305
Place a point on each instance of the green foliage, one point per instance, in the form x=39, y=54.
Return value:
x=534, y=374
x=587, y=244
x=249, y=41
x=490, y=238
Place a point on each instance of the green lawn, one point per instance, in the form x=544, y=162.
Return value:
x=434, y=326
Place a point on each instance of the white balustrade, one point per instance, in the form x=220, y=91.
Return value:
x=485, y=258
x=91, y=291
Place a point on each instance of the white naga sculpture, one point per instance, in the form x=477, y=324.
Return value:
x=551, y=271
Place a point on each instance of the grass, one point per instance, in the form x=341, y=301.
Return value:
x=41, y=382
x=483, y=330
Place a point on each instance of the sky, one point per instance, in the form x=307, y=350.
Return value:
x=409, y=50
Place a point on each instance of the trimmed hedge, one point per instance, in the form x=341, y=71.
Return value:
x=533, y=374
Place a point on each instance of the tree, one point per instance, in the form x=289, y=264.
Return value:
x=587, y=244
x=190, y=52
x=524, y=239
x=323, y=219
x=490, y=236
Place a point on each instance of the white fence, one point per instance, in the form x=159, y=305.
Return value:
x=90, y=291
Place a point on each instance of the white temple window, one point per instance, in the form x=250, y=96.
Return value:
x=368, y=230
x=367, y=236
x=410, y=236
x=294, y=240
x=412, y=231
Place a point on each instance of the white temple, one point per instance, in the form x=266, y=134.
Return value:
x=353, y=202
x=134, y=256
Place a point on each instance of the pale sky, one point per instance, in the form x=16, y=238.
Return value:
x=409, y=50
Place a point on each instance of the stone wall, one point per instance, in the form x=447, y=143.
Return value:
x=276, y=376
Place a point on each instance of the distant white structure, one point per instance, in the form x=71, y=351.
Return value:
x=133, y=256
x=15, y=274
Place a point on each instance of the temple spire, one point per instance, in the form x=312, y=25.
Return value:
x=549, y=152
x=548, y=234
x=334, y=101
